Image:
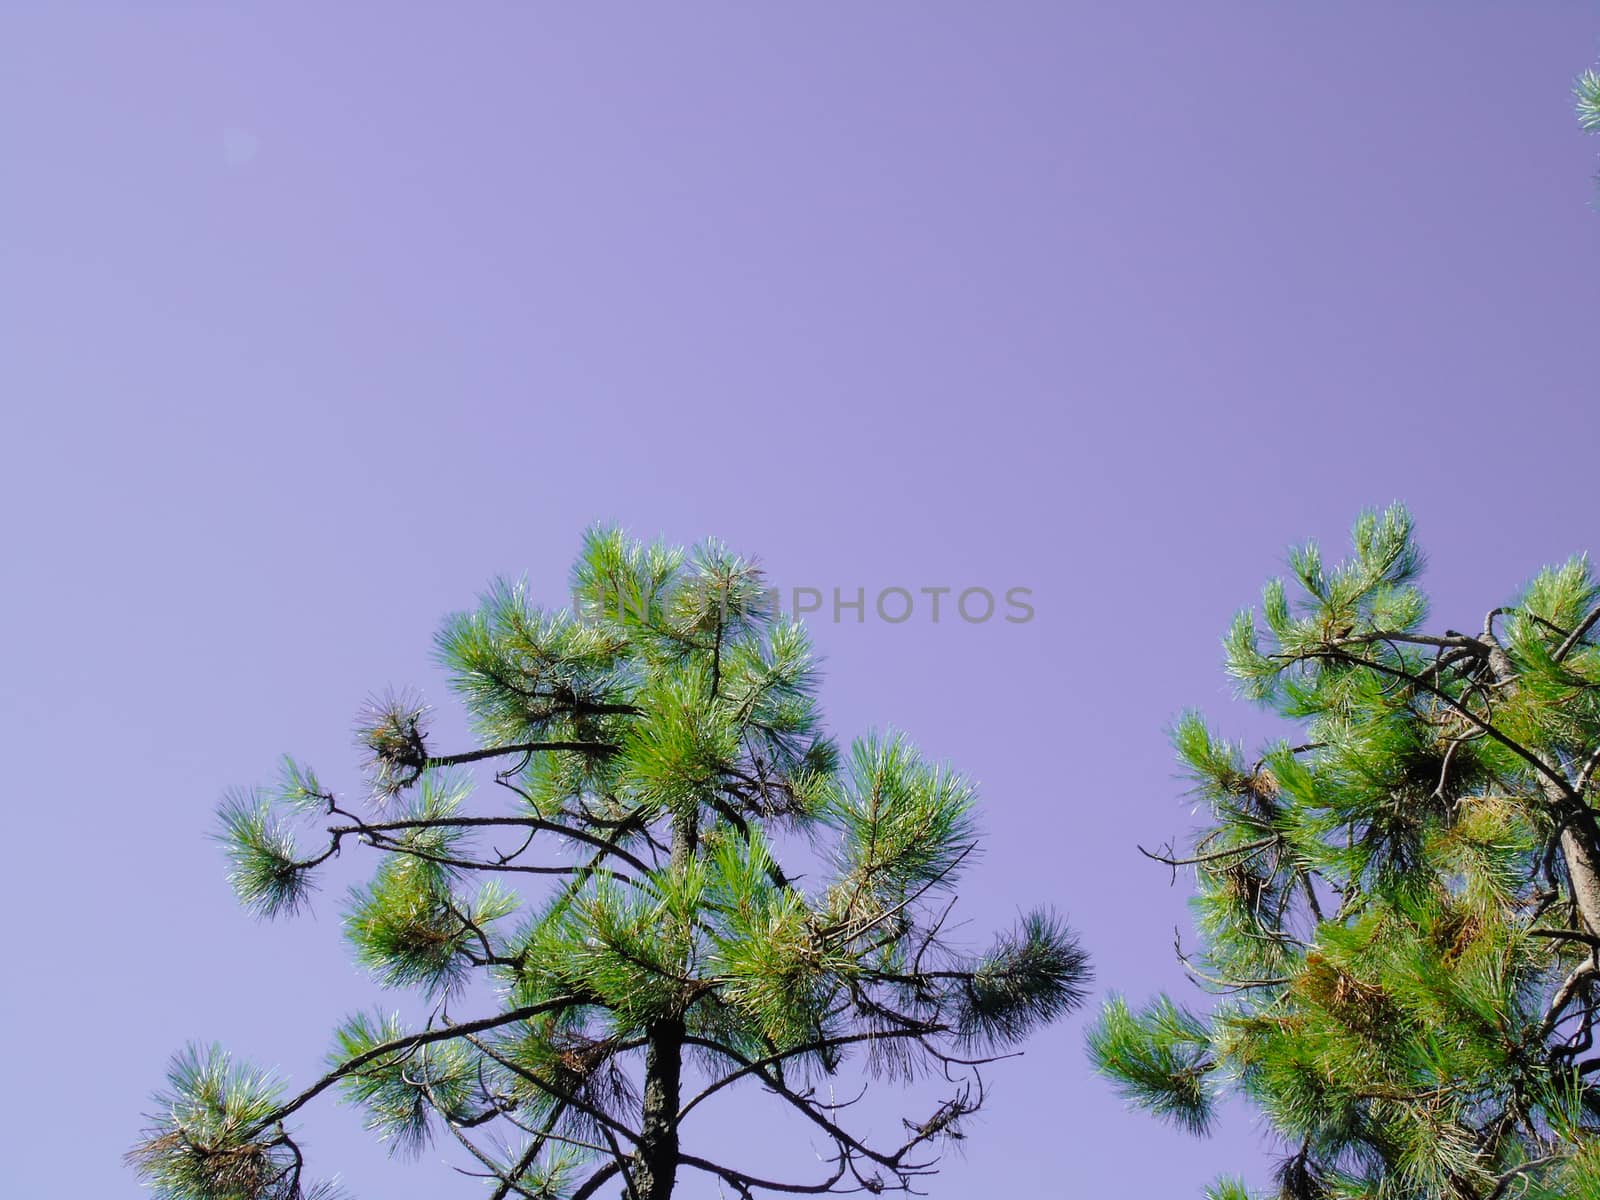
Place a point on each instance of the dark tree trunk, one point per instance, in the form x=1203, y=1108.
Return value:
x=655, y=1169
x=657, y=1161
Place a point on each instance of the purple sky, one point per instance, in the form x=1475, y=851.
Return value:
x=312, y=321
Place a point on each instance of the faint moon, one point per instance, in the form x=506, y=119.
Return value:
x=239, y=146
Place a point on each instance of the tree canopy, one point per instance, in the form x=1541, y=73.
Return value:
x=622, y=912
x=1398, y=903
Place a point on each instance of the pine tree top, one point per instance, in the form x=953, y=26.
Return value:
x=646, y=752
x=1398, y=904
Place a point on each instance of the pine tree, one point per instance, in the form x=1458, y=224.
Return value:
x=1398, y=904
x=653, y=748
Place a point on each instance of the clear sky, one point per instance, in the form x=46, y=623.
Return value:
x=313, y=318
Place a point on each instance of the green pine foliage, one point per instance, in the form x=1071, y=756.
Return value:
x=1587, y=91
x=1163, y=1058
x=1398, y=904
x=1588, y=94
x=606, y=865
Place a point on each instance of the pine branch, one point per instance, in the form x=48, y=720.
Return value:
x=409, y=1042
